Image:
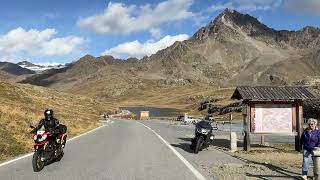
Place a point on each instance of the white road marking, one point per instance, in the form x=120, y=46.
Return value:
x=191, y=168
x=17, y=159
x=30, y=154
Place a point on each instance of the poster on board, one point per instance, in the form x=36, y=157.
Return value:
x=272, y=118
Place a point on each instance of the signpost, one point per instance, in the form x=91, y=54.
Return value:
x=272, y=110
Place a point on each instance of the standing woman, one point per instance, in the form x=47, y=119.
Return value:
x=309, y=140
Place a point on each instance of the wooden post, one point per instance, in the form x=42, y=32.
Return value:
x=299, y=125
x=246, y=123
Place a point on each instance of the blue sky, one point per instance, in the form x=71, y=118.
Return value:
x=61, y=31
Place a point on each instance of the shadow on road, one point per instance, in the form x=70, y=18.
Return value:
x=183, y=146
x=273, y=176
x=225, y=144
x=186, y=139
x=221, y=143
x=47, y=163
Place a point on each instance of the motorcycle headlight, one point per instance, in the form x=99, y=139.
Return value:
x=35, y=137
x=204, y=131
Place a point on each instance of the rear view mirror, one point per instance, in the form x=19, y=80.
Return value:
x=32, y=126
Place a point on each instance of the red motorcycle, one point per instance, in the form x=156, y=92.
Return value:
x=48, y=148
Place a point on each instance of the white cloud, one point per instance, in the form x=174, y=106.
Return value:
x=253, y=5
x=36, y=43
x=246, y=5
x=119, y=18
x=220, y=6
x=309, y=7
x=61, y=46
x=139, y=50
x=155, y=33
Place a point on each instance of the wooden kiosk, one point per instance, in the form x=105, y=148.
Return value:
x=272, y=110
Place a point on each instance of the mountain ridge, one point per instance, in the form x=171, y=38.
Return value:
x=233, y=49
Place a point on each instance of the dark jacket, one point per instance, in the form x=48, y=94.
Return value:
x=49, y=125
x=311, y=139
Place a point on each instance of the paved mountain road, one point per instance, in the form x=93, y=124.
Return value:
x=123, y=150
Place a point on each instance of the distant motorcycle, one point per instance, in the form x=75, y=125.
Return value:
x=203, y=136
x=47, y=148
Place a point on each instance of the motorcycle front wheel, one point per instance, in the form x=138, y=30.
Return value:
x=60, y=156
x=198, y=143
x=37, y=164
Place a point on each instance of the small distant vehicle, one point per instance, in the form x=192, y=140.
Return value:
x=203, y=136
x=47, y=148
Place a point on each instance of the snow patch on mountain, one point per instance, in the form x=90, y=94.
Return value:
x=40, y=68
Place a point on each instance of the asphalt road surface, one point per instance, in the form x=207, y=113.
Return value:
x=123, y=150
x=126, y=150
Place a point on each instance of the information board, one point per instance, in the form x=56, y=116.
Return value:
x=271, y=118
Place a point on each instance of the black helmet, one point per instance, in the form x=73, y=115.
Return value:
x=48, y=114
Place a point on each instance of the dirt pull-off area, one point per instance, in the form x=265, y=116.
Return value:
x=277, y=162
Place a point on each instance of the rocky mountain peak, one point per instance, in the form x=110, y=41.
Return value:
x=310, y=29
x=85, y=60
x=87, y=57
x=309, y=32
x=232, y=19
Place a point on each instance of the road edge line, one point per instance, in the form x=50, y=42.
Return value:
x=198, y=175
x=29, y=154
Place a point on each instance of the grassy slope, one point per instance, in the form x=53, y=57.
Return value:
x=22, y=105
x=185, y=98
x=113, y=84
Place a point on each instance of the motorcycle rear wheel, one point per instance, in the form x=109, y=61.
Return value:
x=198, y=143
x=37, y=164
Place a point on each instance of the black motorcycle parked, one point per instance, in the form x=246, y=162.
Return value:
x=203, y=136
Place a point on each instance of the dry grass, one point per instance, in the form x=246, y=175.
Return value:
x=22, y=105
x=185, y=98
